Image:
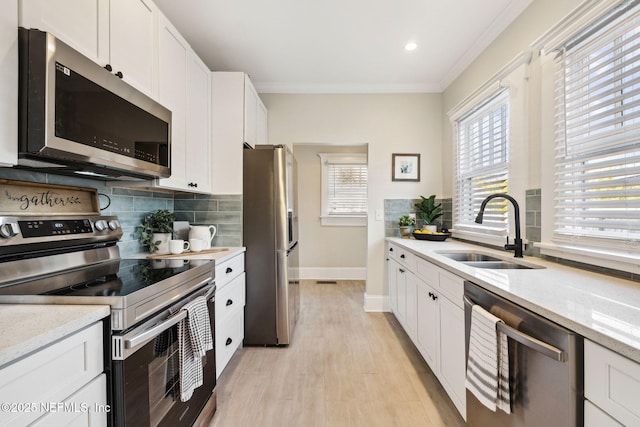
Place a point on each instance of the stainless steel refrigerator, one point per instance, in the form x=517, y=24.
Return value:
x=270, y=233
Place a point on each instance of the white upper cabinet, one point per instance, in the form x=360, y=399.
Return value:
x=118, y=33
x=184, y=88
x=9, y=84
x=238, y=118
x=198, y=124
x=132, y=43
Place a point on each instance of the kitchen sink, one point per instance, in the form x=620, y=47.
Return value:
x=500, y=265
x=469, y=256
x=483, y=260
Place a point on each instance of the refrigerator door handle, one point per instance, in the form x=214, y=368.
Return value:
x=292, y=248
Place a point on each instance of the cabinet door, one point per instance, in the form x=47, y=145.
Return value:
x=172, y=93
x=411, y=322
x=132, y=42
x=83, y=25
x=198, y=128
x=401, y=290
x=9, y=84
x=392, y=270
x=250, y=113
x=428, y=327
x=452, y=352
x=262, y=129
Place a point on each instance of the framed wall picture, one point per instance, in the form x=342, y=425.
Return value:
x=405, y=167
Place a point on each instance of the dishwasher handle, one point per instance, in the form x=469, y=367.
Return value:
x=527, y=340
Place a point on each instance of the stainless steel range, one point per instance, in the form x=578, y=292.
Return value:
x=74, y=259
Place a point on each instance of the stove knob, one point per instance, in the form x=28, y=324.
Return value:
x=9, y=230
x=101, y=225
x=114, y=224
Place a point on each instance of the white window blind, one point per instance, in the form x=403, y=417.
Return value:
x=482, y=164
x=344, y=185
x=597, y=132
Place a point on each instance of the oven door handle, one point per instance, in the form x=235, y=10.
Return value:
x=162, y=326
x=155, y=330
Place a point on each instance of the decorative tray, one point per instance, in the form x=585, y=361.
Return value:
x=439, y=237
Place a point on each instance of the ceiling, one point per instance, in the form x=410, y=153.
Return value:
x=342, y=46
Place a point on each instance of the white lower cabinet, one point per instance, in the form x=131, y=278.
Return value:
x=229, y=304
x=61, y=384
x=611, y=388
x=428, y=304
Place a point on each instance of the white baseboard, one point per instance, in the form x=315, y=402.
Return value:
x=376, y=303
x=339, y=273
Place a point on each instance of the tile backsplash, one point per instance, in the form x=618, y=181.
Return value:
x=395, y=208
x=131, y=206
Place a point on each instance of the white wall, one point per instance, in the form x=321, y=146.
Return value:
x=326, y=252
x=531, y=24
x=387, y=123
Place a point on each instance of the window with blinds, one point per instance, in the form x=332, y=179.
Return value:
x=597, y=131
x=482, y=164
x=344, y=182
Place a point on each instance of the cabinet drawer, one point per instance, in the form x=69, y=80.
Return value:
x=612, y=382
x=594, y=417
x=52, y=374
x=230, y=299
x=452, y=287
x=392, y=251
x=407, y=258
x=228, y=270
x=93, y=397
x=229, y=336
x=427, y=272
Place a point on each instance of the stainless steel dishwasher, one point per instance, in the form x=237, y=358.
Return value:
x=545, y=363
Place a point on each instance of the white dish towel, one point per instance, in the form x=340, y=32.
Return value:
x=488, y=364
x=194, y=340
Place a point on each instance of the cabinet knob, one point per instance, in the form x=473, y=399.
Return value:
x=228, y=342
x=108, y=68
x=402, y=256
x=390, y=249
x=229, y=302
x=228, y=270
x=401, y=270
x=434, y=297
x=119, y=74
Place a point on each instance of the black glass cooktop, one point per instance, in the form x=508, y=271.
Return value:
x=129, y=277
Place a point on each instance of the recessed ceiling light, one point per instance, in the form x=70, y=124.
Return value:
x=410, y=46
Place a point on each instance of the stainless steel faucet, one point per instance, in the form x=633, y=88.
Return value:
x=517, y=244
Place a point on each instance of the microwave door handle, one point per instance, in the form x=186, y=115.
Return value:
x=527, y=340
x=154, y=331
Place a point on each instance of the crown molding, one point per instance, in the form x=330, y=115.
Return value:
x=318, y=88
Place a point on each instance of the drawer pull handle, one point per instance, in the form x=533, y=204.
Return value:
x=402, y=256
x=228, y=270
x=229, y=302
x=228, y=342
x=401, y=270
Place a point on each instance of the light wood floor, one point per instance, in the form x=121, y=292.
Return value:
x=344, y=367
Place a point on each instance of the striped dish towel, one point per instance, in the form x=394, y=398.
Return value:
x=488, y=364
x=194, y=339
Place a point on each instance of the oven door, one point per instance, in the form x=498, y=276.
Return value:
x=146, y=388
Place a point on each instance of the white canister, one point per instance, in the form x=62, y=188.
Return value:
x=203, y=232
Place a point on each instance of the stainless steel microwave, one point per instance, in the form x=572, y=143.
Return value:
x=77, y=117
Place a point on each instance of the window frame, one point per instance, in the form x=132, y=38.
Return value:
x=514, y=76
x=333, y=219
x=611, y=253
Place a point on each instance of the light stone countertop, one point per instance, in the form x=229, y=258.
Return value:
x=602, y=308
x=25, y=328
x=218, y=257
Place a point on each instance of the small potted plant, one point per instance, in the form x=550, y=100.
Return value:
x=405, y=222
x=429, y=211
x=155, y=231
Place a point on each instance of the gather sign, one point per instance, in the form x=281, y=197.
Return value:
x=24, y=198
